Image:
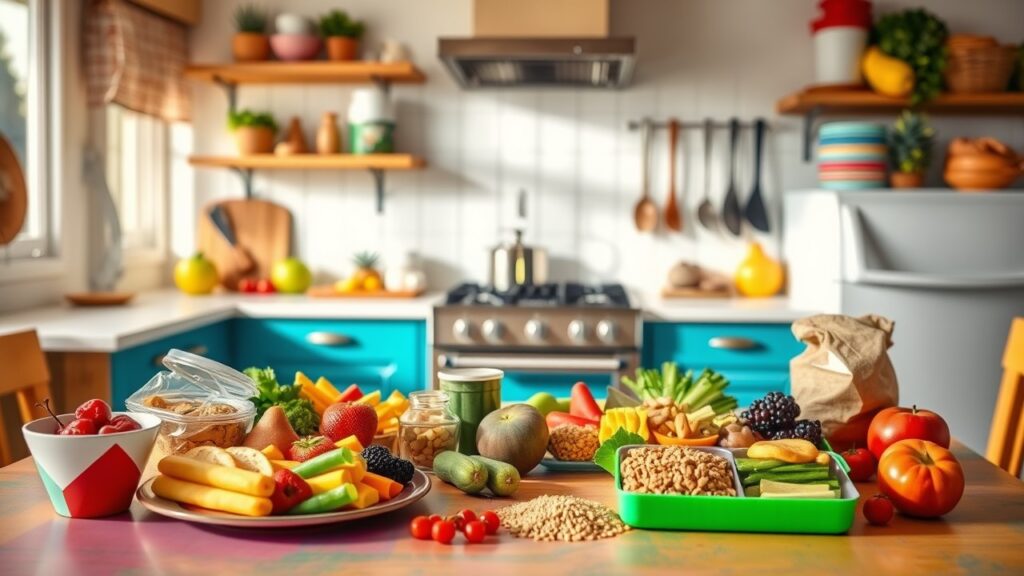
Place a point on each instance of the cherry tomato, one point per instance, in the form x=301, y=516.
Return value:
x=491, y=521
x=420, y=528
x=435, y=518
x=264, y=286
x=247, y=285
x=475, y=531
x=862, y=464
x=467, y=515
x=878, y=510
x=443, y=532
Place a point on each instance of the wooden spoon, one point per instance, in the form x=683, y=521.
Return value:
x=673, y=220
x=706, y=211
x=645, y=215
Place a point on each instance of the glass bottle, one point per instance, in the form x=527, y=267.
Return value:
x=427, y=428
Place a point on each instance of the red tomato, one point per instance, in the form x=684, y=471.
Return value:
x=475, y=532
x=264, y=286
x=443, y=532
x=247, y=285
x=435, y=518
x=420, y=527
x=862, y=464
x=467, y=515
x=921, y=478
x=878, y=510
x=895, y=424
x=491, y=521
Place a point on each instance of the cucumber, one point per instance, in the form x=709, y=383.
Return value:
x=502, y=478
x=756, y=464
x=793, y=477
x=461, y=471
x=788, y=468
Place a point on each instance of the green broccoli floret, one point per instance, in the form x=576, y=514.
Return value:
x=302, y=417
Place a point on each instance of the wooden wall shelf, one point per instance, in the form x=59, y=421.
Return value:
x=812, y=103
x=314, y=72
x=377, y=164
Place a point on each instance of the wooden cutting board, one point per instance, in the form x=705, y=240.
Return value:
x=262, y=227
x=328, y=291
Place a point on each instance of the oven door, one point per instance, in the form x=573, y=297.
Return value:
x=526, y=373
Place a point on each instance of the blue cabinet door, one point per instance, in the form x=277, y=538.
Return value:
x=518, y=386
x=755, y=357
x=132, y=367
x=385, y=354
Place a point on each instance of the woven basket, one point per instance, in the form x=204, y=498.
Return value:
x=979, y=68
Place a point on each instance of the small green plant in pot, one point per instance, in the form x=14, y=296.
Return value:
x=341, y=35
x=250, y=43
x=254, y=131
x=910, y=149
x=918, y=38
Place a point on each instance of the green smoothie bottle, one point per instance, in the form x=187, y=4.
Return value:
x=474, y=393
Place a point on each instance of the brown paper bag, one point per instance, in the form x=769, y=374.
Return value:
x=844, y=377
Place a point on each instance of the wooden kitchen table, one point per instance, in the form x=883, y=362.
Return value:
x=985, y=534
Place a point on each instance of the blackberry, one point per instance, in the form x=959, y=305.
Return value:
x=379, y=460
x=809, y=430
x=774, y=412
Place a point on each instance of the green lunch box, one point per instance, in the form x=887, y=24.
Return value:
x=738, y=513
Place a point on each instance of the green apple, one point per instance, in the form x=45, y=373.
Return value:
x=544, y=403
x=563, y=404
x=290, y=276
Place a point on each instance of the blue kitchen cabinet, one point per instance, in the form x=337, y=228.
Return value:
x=133, y=367
x=385, y=354
x=518, y=386
x=754, y=357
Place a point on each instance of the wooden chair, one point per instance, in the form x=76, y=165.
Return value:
x=25, y=375
x=1006, y=440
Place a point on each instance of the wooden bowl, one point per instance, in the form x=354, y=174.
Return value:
x=980, y=163
x=980, y=180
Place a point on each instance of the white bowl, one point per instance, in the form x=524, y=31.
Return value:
x=90, y=476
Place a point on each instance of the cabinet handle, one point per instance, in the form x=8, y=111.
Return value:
x=731, y=343
x=328, y=339
x=198, y=350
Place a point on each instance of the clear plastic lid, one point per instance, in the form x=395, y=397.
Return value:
x=193, y=377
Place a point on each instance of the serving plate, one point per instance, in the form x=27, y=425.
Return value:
x=412, y=492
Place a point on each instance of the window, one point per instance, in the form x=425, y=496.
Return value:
x=136, y=156
x=23, y=112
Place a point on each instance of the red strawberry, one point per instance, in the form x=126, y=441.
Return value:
x=310, y=447
x=345, y=419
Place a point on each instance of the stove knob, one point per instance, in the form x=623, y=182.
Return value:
x=607, y=331
x=535, y=330
x=461, y=328
x=493, y=330
x=578, y=332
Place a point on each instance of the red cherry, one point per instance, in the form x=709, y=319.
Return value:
x=247, y=285
x=79, y=427
x=264, y=286
x=109, y=429
x=96, y=410
x=125, y=423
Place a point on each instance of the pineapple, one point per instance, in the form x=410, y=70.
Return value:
x=366, y=275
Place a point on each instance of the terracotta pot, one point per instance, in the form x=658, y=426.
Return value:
x=906, y=179
x=342, y=48
x=250, y=47
x=328, y=140
x=254, y=140
x=981, y=180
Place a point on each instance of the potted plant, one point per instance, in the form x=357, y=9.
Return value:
x=918, y=38
x=254, y=131
x=341, y=34
x=250, y=43
x=910, y=149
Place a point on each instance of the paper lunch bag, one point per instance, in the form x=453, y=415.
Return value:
x=844, y=377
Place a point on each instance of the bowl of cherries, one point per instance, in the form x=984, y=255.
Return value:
x=91, y=461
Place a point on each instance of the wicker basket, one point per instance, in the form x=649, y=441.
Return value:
x=979, y=68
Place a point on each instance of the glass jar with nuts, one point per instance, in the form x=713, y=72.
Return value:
x=427, y=428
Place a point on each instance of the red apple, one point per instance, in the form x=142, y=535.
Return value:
x=894, y=424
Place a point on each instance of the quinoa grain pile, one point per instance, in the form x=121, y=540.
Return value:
x=561, y=518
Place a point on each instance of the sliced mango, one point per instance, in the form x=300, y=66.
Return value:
x=371, y=399
x=273, y=452
x=329, y=480
x=324, y=385
x=287, y=464
x=350, y=442
x=367, y=497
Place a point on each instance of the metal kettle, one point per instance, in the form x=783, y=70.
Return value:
x=517, y=264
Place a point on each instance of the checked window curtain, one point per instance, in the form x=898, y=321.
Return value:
x=135, y=58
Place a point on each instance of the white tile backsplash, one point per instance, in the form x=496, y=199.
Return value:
x=569, y=149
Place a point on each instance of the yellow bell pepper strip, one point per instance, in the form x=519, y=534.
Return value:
x=371, y=399
x=211, y=498
x=273, y=452
x=632, y=419
x=233, y=479
x=324, y=385
x=286, y=464
x=324, y=463
x=329, y=480
x=328, y=501
x=350, y=442
x=366, y=496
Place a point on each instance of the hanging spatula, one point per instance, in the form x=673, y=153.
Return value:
x=755, y=211
x=731, y=213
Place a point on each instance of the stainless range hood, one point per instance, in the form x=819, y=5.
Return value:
x=539, y=62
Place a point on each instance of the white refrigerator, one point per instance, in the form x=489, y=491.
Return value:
x=947, y=267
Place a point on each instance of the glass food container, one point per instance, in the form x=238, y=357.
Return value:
x=201, y=403
x=428, y=427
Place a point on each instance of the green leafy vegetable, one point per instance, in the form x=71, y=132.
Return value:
x=270, y=392
x=605, y=455
x=708, y=389
x=918, y=38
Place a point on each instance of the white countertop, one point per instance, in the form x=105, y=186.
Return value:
x=153, y=315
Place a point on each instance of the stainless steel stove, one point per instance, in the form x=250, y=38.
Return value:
x=567, y=331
